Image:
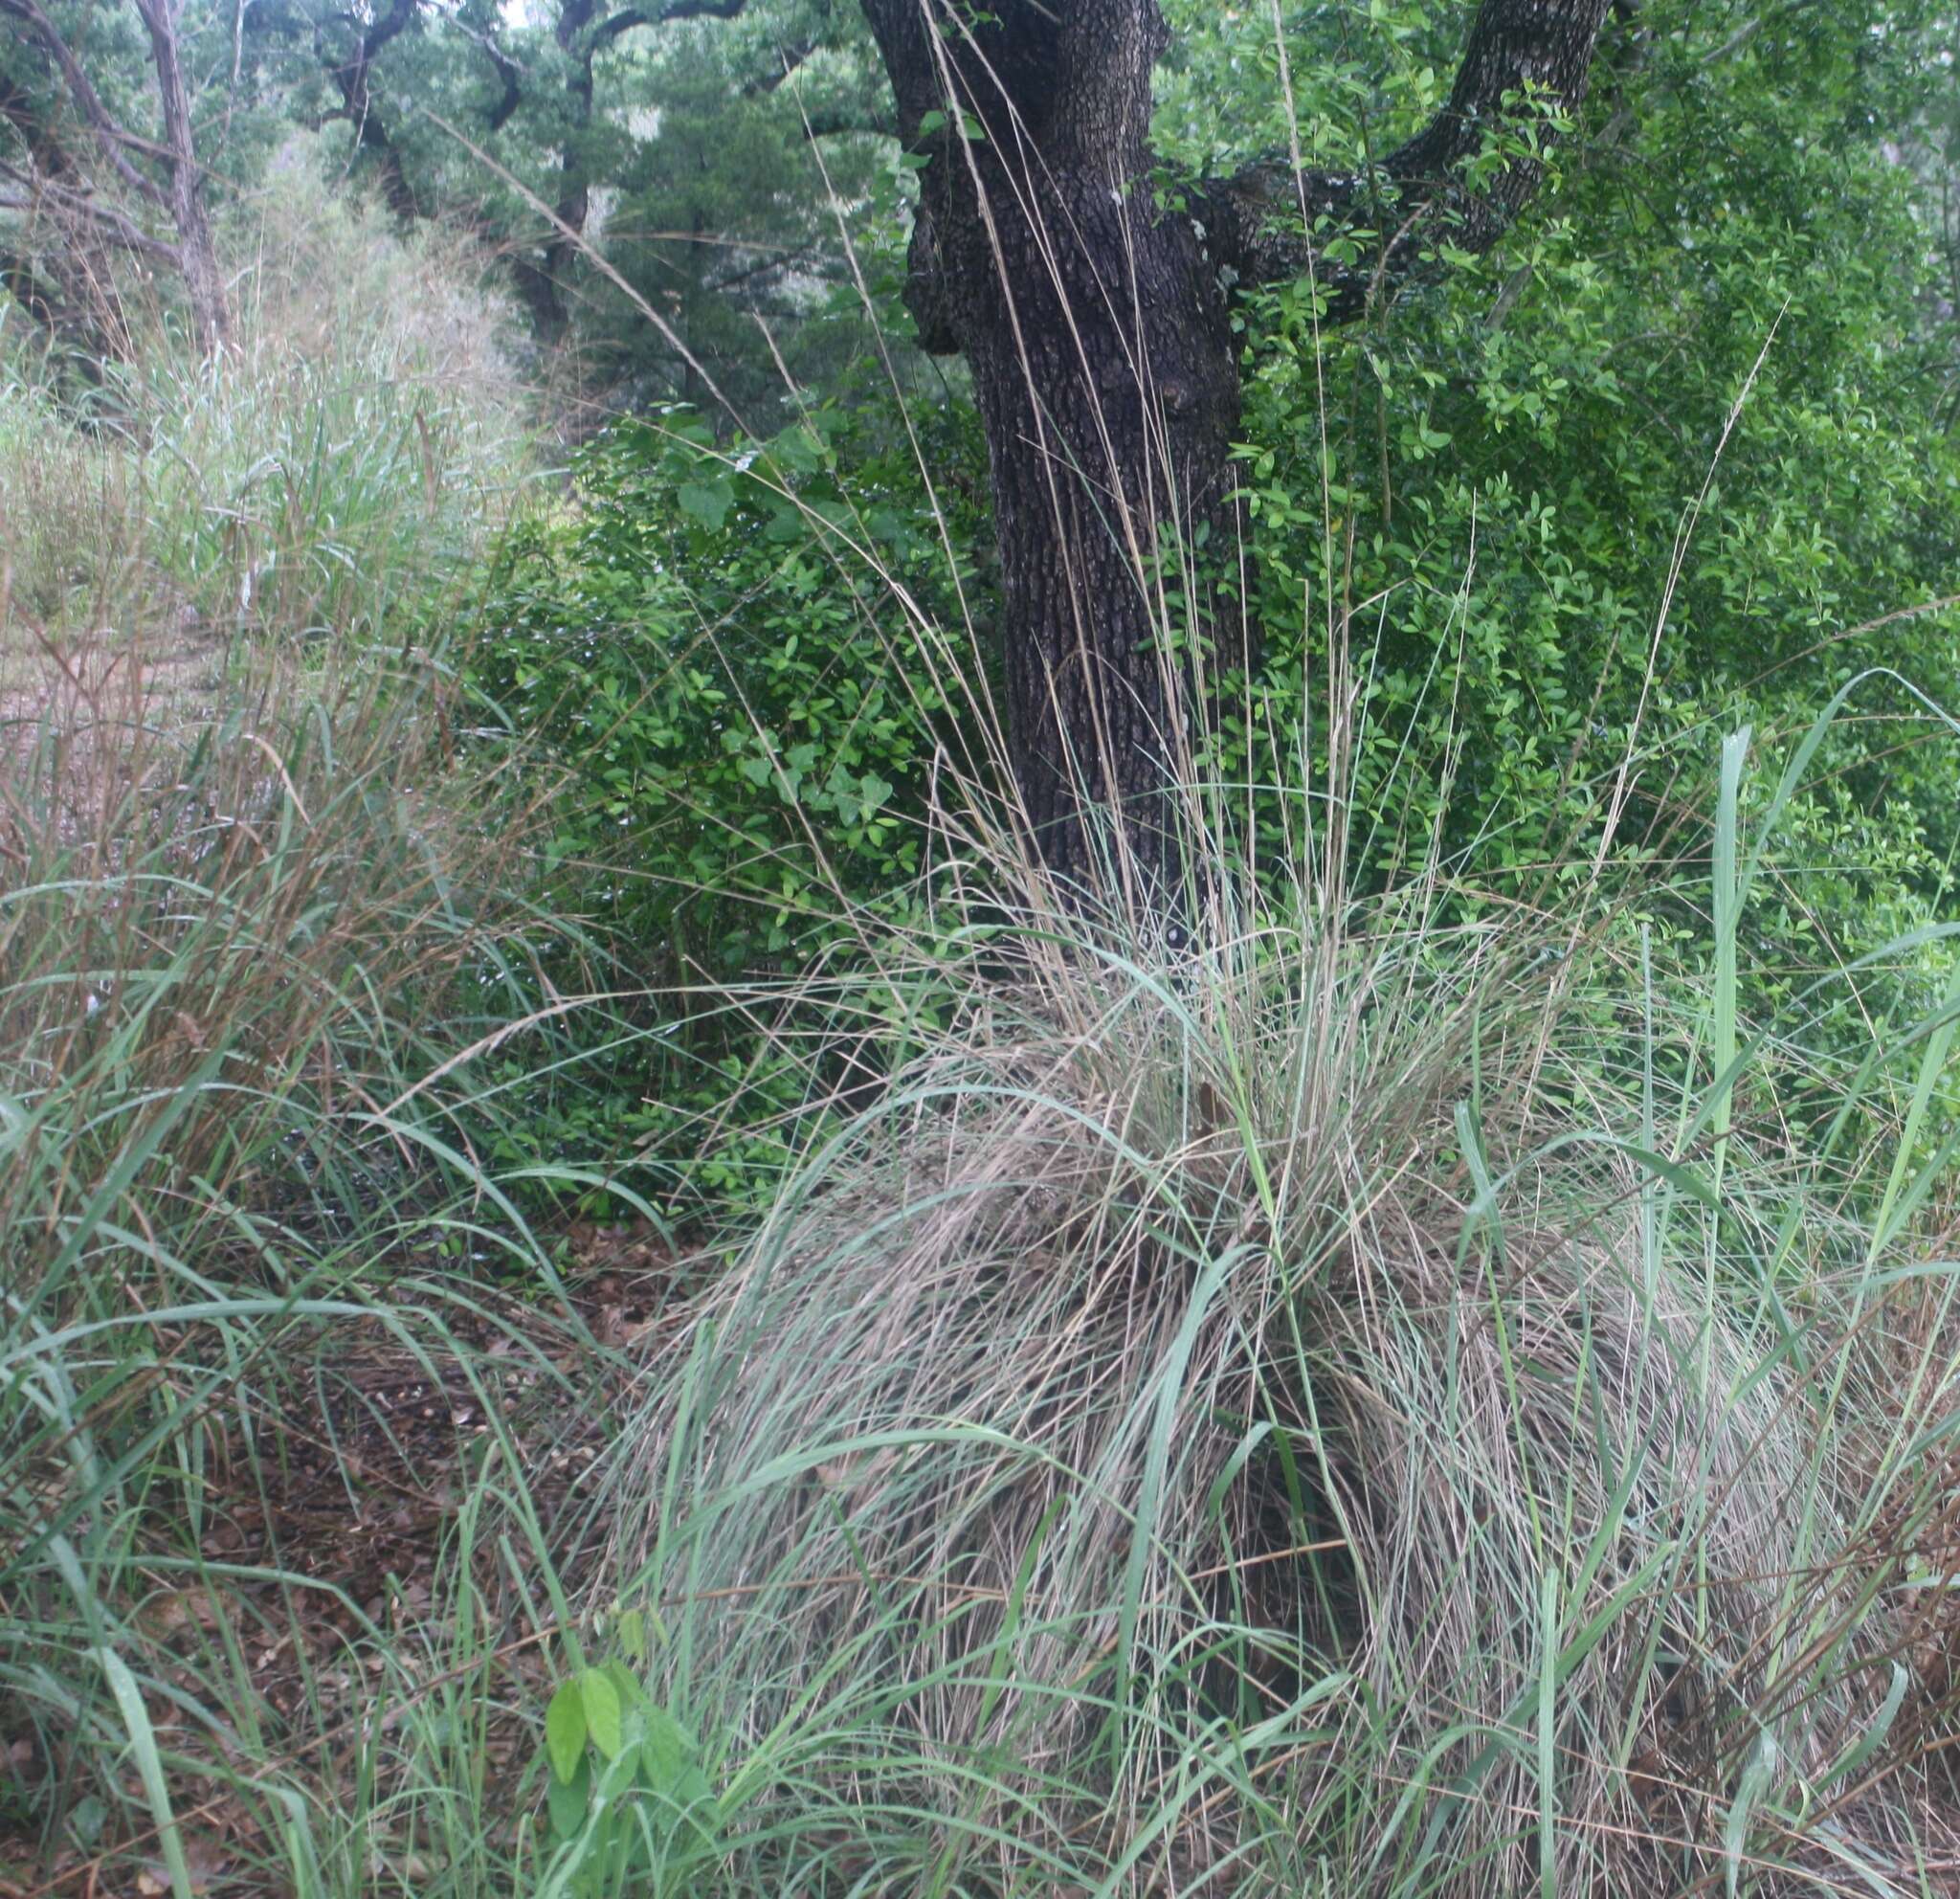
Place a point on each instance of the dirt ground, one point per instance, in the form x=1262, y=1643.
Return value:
x=330, y=1518
x=176, y=672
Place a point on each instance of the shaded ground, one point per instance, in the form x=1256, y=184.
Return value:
x=334, y=1526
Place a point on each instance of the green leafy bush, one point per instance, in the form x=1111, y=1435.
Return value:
x=1568, y=509
x=755, y=671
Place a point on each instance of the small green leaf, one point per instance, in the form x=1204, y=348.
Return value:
x=564, y=1730
x=601, y=1701
x=669, y=1751
x=630, y=1693
x=633, y=1635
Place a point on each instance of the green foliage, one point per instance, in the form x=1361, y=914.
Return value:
x=1663, y=462
x=1399, y=1405
x=728, y=222
x=753, y=675
x=630, y=1807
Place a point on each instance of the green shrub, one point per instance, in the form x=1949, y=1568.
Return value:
x=1569, y=510
x=754, y=672
x=1666, y=461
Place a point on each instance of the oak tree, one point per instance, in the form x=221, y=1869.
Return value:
x=163, y=175
x=1096, y=319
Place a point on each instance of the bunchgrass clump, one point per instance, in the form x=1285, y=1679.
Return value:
x=1356, y=1409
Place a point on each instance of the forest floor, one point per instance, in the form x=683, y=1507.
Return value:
x=174, y=675
x=331, y=1511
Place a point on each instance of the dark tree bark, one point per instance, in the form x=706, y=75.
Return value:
x=1103, y=357
x=211, y=316
x=351, y=72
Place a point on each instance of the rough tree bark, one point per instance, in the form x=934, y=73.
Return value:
x=211, y=317
x=1103, y=357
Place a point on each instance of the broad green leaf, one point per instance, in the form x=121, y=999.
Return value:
x=602, y=1712
x=564, y=1730
x=670, y=1756
x=707, y=501
x=567, y=1800
x=631, y=1694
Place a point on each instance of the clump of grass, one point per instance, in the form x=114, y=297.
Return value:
x=322, y=479
x=256, y=915
x=223, y=937
x=238, y=960
x=1355, y=1410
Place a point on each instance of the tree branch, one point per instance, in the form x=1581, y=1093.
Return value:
x=659, y=16
x=622, y=22
x=509, y=70
x=1269, y=223
x=108, y=132
x=391, y=25
x=350, y=74
x=109, y=223
x=791, y=61
x=781, y=261
x=793, y=57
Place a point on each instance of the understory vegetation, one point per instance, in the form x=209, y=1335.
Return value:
x=608, y=1288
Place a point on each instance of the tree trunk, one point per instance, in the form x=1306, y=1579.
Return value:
x=1107, y=385
x=1103, y=357
x=211, y=317
x=546, y=282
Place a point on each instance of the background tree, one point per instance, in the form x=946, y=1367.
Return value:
x=1509, y=455
x=666, y=123
x=127, y=181
x=348, y=46
x=764, y=157
x=1096, y=324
